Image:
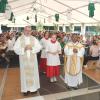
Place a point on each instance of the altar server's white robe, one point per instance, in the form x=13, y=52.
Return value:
x=43, y=42
x=53, y=60
x=73, y=64
x=28, y=63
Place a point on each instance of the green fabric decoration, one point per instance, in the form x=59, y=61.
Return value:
x=11, y=17
x=57, y=17
x=36, y=18
x=91, y=8
x=3, y=6
x=27, y=18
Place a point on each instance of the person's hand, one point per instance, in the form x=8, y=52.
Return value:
x=57, y=52
x=53, y=53
x=28, y=47
x=75, y=50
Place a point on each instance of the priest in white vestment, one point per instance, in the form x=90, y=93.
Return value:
x=27, y=47
x=74, y=52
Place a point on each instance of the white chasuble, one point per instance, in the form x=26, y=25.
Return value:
x=28, y=63
x=73, y=64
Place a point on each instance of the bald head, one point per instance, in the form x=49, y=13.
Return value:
x=27, y=30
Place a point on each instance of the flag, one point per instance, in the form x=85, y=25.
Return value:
x=57, y=17
x=36, y=18
x=91, y=8
x=27, y=18
x=3, y=6
x=11, y=16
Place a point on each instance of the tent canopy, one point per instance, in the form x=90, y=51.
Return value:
x=70, y=11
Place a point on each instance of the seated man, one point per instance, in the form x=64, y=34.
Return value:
x=94, y=53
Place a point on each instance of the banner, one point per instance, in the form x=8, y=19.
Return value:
x=57, y=17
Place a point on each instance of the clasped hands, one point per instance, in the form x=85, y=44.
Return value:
x=54, y=53
x=28, y=47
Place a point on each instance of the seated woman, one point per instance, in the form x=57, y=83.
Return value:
x=94, y=53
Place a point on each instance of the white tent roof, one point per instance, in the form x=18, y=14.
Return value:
x=46, y=9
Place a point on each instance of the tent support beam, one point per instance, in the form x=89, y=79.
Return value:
x=56, y=11
x=79, y=7
x=75, y=10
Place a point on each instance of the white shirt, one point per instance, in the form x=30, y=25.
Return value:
x=94, y=50
x=53, y=60
x=10, y=44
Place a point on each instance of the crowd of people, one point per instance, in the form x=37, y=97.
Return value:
x=75, y=49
